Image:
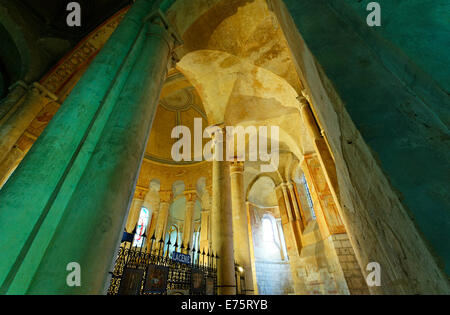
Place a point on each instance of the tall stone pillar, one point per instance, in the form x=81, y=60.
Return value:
x=152, y=203
x=292, y=219
x=14, y=124
x=205, y=227
x=222, y=219
x=242, y=244
x=189, y=220
x=163, y=214
x=252, y=250
x=68, y=199
x=297, y=212
x=133, y=215
x=291, y=234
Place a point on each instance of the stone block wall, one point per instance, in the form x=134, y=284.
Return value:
x=274, y=278
x=352, y=272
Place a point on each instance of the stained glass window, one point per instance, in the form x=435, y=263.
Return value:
x=141, y=227
x=308, y=195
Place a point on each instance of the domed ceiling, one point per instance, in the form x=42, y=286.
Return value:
x=179, y=105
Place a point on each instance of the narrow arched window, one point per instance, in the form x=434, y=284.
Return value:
x=267, y=227
x=270, y=238
x=144, y=218
x=308, y=196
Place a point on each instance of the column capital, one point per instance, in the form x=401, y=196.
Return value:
x=165, y=196
x=290, y=184
x=236, y=167
x=43, y=91
x=282, y=184
x=310, y=156
x=171, y=36
x=303, y=101
x=191, y=195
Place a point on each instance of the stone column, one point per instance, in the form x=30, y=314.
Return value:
x=222, y=219
x=68, y=199
x=163, y=214
x=242, y=244
x=291, y=234
x=298, y=217
x=292, y=220
x=133, y=214
x=14, y=124
x=189, y=220
x=252, y=249
x=204, y=230
x=152, y=203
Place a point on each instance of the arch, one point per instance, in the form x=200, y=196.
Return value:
x=262, y=192
x=269, y=100
x=273, y=176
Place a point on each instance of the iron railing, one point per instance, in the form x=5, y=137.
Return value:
x=155, y=270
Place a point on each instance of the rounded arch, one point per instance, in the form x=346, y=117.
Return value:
x=247, y=95
x=273, y=176
x=262, y=191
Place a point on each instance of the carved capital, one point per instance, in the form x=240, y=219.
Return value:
x=165, y=196
x=303, y=101
x=191, y=196
x=236, y=167
x=158, y=19
x=43, y=91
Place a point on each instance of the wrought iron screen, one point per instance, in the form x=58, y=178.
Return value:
x=143, y=271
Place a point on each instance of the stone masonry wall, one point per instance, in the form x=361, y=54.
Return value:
x=352, y=272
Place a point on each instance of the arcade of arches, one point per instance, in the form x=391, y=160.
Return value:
x=85, y=148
